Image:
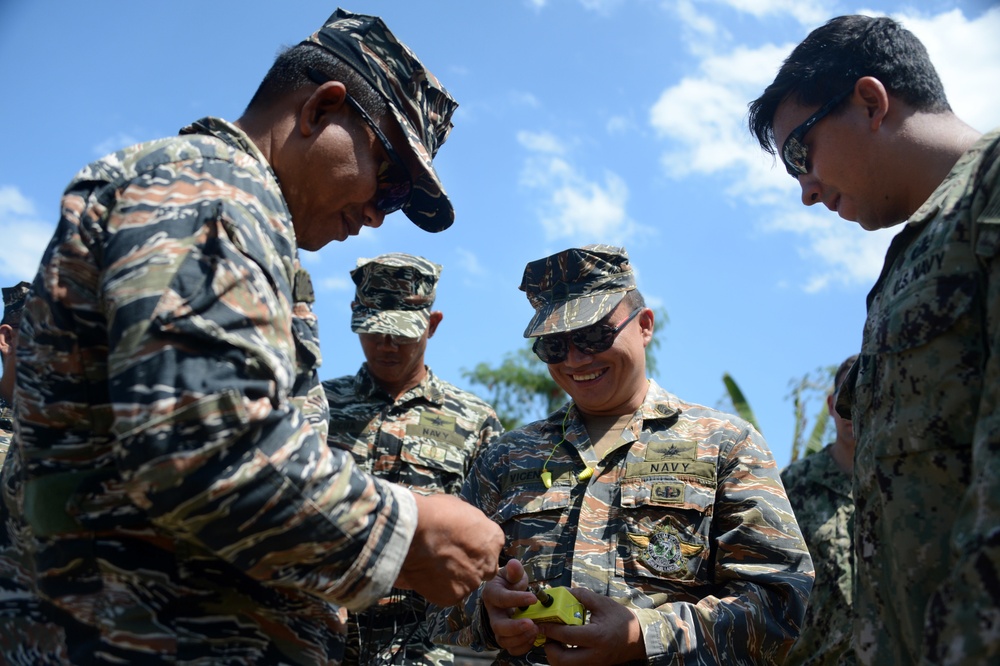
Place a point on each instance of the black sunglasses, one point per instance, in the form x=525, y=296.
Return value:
x=394, y=182
x=590, y=340
x=794, y=153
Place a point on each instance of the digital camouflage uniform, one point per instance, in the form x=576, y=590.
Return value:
x=684, y=519
x=926, y=409
x=820, y=495
x=426, y=440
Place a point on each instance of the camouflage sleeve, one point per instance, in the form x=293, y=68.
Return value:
x=194, y=284
x=962, y=615
x=762, y=573
x=466, y=624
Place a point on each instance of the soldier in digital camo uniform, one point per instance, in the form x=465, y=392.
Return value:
x=179, y=498
x=13, y=303
x=403, y=424
x=862, y=122
x=819, y=489
x=667, y=518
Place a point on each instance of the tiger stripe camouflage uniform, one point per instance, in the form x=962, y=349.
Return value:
x=173, y=425
x=13, y=305
x=405, y=425
x=926, y=410
x=820, y=495
x=426, y=440
x=687, y=523
x=26, y=634
x=6, y=428
x=176, y=492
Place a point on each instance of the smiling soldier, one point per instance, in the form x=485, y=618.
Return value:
x=667, y=519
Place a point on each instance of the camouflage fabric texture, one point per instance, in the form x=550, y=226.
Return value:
x=820, y=495
x=575, y=288
x=6, y=428
x=926, y=410
x=426, y=440
x=417, y=100
x=394, y=294
x=175, y=486
x=685, y=521
x=13, y=303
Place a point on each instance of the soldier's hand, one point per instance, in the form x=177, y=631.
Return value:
x=612, y=634
x=454, y=549
x=501, y=596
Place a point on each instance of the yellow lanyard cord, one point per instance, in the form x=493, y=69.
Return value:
x=546, y=475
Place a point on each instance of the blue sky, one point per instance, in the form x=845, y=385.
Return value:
x=616, y=121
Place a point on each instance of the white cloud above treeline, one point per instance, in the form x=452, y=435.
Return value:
x=702, y=122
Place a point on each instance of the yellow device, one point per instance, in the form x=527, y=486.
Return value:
x=555, y=604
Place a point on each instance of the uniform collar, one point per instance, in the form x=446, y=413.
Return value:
x=429, y=389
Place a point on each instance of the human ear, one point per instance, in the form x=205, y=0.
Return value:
x=646, y=321
x=870, y=92
x=315, y=110
x=435, y=319
x=6, y=339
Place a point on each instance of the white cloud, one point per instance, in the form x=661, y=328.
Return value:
x=24, y=234
x=839, y=252
x=703, y=122
x=470, y=262
x=619, y=125
x=115, y=142
x=574, y=206
x=805, y=12
x=541, y=142
x=335, y=284
x=523, y=98
x=966, y=54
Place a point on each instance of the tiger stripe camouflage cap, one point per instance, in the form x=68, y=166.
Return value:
x=576, y=287
x=394, y=294
x=418, y=101
x=13, y=303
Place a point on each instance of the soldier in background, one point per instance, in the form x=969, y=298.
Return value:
x=13, y=303
x=819, y=489
x=859, y=118
x=404, y=424
x=667, y=518
x=180, y=498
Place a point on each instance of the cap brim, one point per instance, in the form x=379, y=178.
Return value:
x=563, y=316
x=429, y=207
x=408, y=323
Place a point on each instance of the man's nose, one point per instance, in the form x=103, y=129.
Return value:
x=373, y=217
x=576, y=357
x=810, y=190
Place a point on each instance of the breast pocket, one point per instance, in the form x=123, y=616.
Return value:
x=922, y=351
x=536, y=524
x=430, y=466
x=666, y=524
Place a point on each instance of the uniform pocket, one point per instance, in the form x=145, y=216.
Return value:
x=666, y=527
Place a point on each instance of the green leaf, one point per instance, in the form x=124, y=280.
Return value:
x=740, y=403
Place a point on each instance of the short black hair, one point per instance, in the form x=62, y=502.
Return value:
x=633, y=299
x=289, y=73
x=835, y=55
